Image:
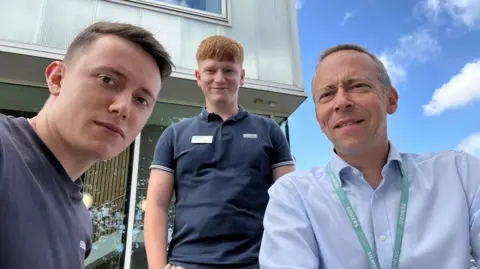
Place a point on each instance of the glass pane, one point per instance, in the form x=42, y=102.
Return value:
x=105, y=195
x=19, y=20
x=280, y=120
x=213, y=6
x=283, y=126
x=163, y=116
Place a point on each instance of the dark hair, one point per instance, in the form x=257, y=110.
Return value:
x=133, y=33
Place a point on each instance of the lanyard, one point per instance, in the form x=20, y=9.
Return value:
x=372, y=257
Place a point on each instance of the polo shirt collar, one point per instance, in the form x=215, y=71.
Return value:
x=205, y=115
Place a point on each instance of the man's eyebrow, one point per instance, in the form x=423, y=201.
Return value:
x=149, y=93
x=328, y=87
x=352, y=80
x=113, y=71
x=116, y=72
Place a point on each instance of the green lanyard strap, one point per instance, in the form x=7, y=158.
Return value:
x=372, y=257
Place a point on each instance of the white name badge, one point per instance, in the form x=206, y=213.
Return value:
x=250, y=136
x=199, y=139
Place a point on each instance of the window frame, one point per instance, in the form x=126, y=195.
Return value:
x=224, y=18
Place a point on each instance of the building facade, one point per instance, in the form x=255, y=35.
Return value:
x=35, y=32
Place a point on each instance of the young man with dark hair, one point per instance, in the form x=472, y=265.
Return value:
x=100, y=98
x=220, y=164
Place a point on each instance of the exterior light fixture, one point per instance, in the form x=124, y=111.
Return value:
x=142, y=205
x=272, y=103
x=258, y=101
x=87, y=200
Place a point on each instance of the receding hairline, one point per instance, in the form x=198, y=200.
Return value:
x=382, y=74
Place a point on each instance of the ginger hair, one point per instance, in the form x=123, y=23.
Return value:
x=220, y=48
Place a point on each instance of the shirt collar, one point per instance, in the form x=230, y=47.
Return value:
x=205, y=115
x=338, y=164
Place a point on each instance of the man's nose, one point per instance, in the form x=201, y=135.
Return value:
x=219, y=77
x=342, y=101
x=121, y=104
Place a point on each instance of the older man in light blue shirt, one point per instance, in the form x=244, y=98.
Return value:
x=370, y=206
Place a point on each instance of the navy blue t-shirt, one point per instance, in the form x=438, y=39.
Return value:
x=43, y=221
x=222, y=170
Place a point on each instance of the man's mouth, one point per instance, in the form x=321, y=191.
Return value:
x=111, y=127
x=347, y=123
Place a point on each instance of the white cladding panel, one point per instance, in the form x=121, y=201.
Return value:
x=265, y=28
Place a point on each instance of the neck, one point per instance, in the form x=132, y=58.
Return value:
x=369, y=163
x=225, y=111
x=74, y=163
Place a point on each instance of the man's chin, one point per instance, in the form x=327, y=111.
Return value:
x=105, y=152
x=349, y=148
x=221, y=99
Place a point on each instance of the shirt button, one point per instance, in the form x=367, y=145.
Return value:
x=383, y=237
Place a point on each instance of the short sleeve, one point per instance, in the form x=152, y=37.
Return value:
x=163, y=157
x=281, y=154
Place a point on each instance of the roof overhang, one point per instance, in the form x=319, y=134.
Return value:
x=256, y=96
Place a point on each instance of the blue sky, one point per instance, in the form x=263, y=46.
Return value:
x=431, y=49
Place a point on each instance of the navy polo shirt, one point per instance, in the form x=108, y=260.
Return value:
x=222, y=170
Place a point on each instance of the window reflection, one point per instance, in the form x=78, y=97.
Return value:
x=213, y=6
x=105, y=195
x=163, y=116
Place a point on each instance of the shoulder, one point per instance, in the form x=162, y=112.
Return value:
x=449, y=165
x=184, y=124
x=257, y=119
x=437, y=158
x=265, y=125
x=13, y=140
x=180, y=127
x=11, y=127
x=6, y=122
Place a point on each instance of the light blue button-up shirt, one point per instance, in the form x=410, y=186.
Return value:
x=306, y=225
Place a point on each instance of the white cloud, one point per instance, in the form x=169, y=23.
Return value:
x=299, y=4
x=463, y=12
x=348, y=15
x=434, y=5
x=416, y=47
x=461, y=90
x=471, y=144
x=396, y=71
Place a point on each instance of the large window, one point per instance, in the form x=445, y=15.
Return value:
x=164, y=116
x=211, y=9
x=108, y=191
x=283, y=122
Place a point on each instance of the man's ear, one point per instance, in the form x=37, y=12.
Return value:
x=242, y=77
x=197, y=76
x=54, y=75
x=392, y=101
